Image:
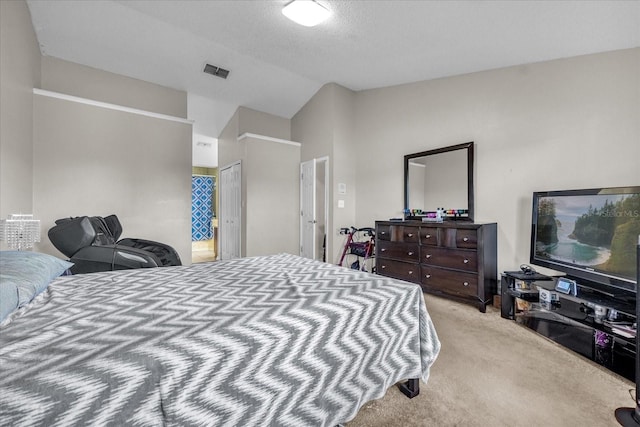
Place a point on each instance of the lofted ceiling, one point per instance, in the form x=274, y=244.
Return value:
x=276, y=66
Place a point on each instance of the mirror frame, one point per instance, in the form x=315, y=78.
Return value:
x=470, y=194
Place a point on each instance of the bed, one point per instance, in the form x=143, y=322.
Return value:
x=275, y=340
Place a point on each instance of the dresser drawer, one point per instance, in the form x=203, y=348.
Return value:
x=450, y=258
x=398, y=250
x=383, y=232
x=429, y=236
x=466, y=238
x=398, y=269
x=408, y=234
x=455, y=259
x=448, y=281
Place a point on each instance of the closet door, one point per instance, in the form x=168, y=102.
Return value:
x=230, y=211
x=308, y=209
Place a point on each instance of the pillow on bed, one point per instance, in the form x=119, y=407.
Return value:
x=25, y=274
x=8, y=299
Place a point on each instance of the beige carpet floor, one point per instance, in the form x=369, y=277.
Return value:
x=494, y=372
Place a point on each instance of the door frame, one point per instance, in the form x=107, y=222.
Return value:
x=310, y=217
x=327, y=219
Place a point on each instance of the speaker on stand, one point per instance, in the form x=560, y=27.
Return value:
x=630, y=417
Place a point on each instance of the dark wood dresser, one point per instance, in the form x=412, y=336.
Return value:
x=454, y=259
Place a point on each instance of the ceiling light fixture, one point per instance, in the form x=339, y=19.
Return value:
x=306, y=12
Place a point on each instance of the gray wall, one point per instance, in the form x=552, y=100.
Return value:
x=94, y=161
x=229, y=150
x=86, y=82
x=312, y=126
x=270, y=181
x=325, y=127
x=564, y=124
x=246, y=120
x=273, y=202
x=570, y=123
x=60, y=158
x=260, y=123
x=19, y=74
x=99, y=161
x=345, y=159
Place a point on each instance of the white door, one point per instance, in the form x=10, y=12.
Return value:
x=308, y=209
x=230, y=211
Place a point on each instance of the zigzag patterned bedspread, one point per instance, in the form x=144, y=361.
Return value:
x=276, y=340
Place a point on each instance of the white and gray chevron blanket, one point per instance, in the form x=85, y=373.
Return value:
x=265, y=341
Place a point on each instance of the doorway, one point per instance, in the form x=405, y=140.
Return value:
x=204, y=221
x=314, y=208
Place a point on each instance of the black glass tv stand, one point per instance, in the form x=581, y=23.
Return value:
x=516, y=285
x=594, y=322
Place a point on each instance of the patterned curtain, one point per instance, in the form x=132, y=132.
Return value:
x=201, y=207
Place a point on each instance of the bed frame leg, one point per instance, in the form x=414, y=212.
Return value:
x=411, y=388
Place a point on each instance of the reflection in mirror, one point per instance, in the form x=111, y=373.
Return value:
x=426, y=177
x=440, y=178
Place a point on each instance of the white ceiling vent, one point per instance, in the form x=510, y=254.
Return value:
x=216, y=71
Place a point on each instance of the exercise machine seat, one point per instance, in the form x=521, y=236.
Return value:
x=92, y=245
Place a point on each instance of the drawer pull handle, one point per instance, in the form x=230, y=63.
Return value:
x=428, y=236
x=428, y=255
x=410, y=253
x=410, y=235
x=466, y=283
x=383, y=249
x=428, y=276
x=383, y=232
x=410, y=272
x=466, y=239
x=466, y=261
x=384, y=266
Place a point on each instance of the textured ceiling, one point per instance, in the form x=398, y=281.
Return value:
x=277, y=65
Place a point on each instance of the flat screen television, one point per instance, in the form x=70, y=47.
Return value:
x=588, y=234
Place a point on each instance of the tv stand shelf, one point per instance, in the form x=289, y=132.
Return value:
x=594, y=323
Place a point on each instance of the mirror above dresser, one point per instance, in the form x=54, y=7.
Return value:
x=440, y=178
x=453, y=259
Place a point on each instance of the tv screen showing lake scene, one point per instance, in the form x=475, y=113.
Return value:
x=593, y=232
